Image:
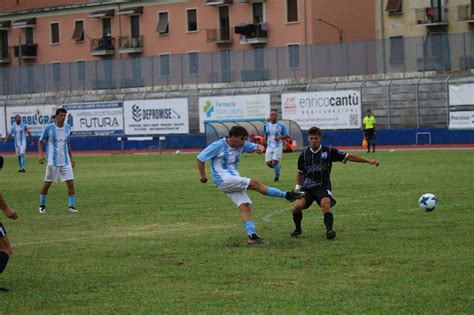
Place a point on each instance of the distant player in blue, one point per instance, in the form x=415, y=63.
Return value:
x=224, y=155
x=19, y=131
x=60, y=160
x=275, y=132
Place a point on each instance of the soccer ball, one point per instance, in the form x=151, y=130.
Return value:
x=428, y=202
x=178, y=152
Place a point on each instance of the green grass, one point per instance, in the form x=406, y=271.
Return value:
x=150, y=238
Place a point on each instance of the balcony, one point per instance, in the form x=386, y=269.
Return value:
x=435, y=16
x=131, y=45
x=252, y=33
x=27, y=51
x=465, y=13
x=218, y=2
x=5, y=57
x=221, y=35
x=104, y=46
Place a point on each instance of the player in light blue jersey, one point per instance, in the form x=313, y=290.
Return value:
x=275, y=132
x=60, y=161
x=19, y=131
x=224, y=155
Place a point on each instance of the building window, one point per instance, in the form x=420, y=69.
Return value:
x=4, y=44
x=394, y=6
x=191, y=16
x=81, y=71
x=162, y=27
x=397, y=50
x=29, y=36
x=135, y=27
x=107, y=27
x=165, y=70
x=257, y=13
x=293, y=56
x=56, y=72
x=193, y=61
x=78, y=34
x=291, y=11
x=54, y=31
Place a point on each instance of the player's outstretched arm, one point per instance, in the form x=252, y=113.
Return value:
x=9, y=213
x=359, y=159
x=202, y=171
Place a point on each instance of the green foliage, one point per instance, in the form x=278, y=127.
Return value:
x=150, y=238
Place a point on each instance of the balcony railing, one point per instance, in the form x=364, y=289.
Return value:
x=465, y=13
x=221, y=35
x=5, y=56
x=431, y=16
x=27, y=51
x=252, y=33
x=104, y=46
x=130, y=45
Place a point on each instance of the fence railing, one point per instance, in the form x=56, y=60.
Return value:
x=437, y=52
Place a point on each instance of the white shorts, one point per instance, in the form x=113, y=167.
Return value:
x=235, y=187
x=20, y=149
x=53, y=172
x=273, y=154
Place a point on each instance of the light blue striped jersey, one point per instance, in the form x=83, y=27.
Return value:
x=224, y=159
x=57, y=140
x=272, y=131
x=19, y=133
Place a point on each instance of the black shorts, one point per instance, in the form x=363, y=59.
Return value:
x=369, y=134
x=318, y=194
x=3, y=232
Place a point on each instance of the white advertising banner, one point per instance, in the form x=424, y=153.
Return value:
x=35, y=117
x=462, y=94
x=233, y=108
x=326, y=110
x=461, y=120
x=3, y=131
x=95, y=118
x=156, y=117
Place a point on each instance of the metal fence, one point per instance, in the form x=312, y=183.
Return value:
x=436, y=52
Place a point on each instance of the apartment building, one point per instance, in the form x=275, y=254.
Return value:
x=443, y=26
x=53, y=32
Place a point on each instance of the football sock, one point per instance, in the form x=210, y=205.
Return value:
x=42, y=200
x=250, y=227
x=275, y=192
x=72, y=201
x=297, y=218
x=22, y=161
x=328, y=220
x=19, y=160
x=3, y=261
x=277, y=169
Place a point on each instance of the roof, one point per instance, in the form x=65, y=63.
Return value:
x=11, y=6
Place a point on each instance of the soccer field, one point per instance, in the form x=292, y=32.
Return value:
x=150, y=238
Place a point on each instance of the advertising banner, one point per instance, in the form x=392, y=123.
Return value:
x=326, y=110
x=3, y=131
x=461, y=120
x=95, y=118
x=156, y=117
x=35, y=117
x=233, y=108
x=462, y=94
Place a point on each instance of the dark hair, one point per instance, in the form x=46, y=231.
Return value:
x=314, y=131
x=238, y=131
x=61, y=110
x=368, y=111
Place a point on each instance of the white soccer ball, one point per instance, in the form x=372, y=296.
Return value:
x=428, y=202
x=178, y=152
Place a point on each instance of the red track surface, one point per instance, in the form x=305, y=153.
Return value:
x=347, y=148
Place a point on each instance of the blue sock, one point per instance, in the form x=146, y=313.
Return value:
x=277, y=169
x=249, y=227
x=42, y=200
x=22, y=161
x=72, y=201
x=275, y=192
